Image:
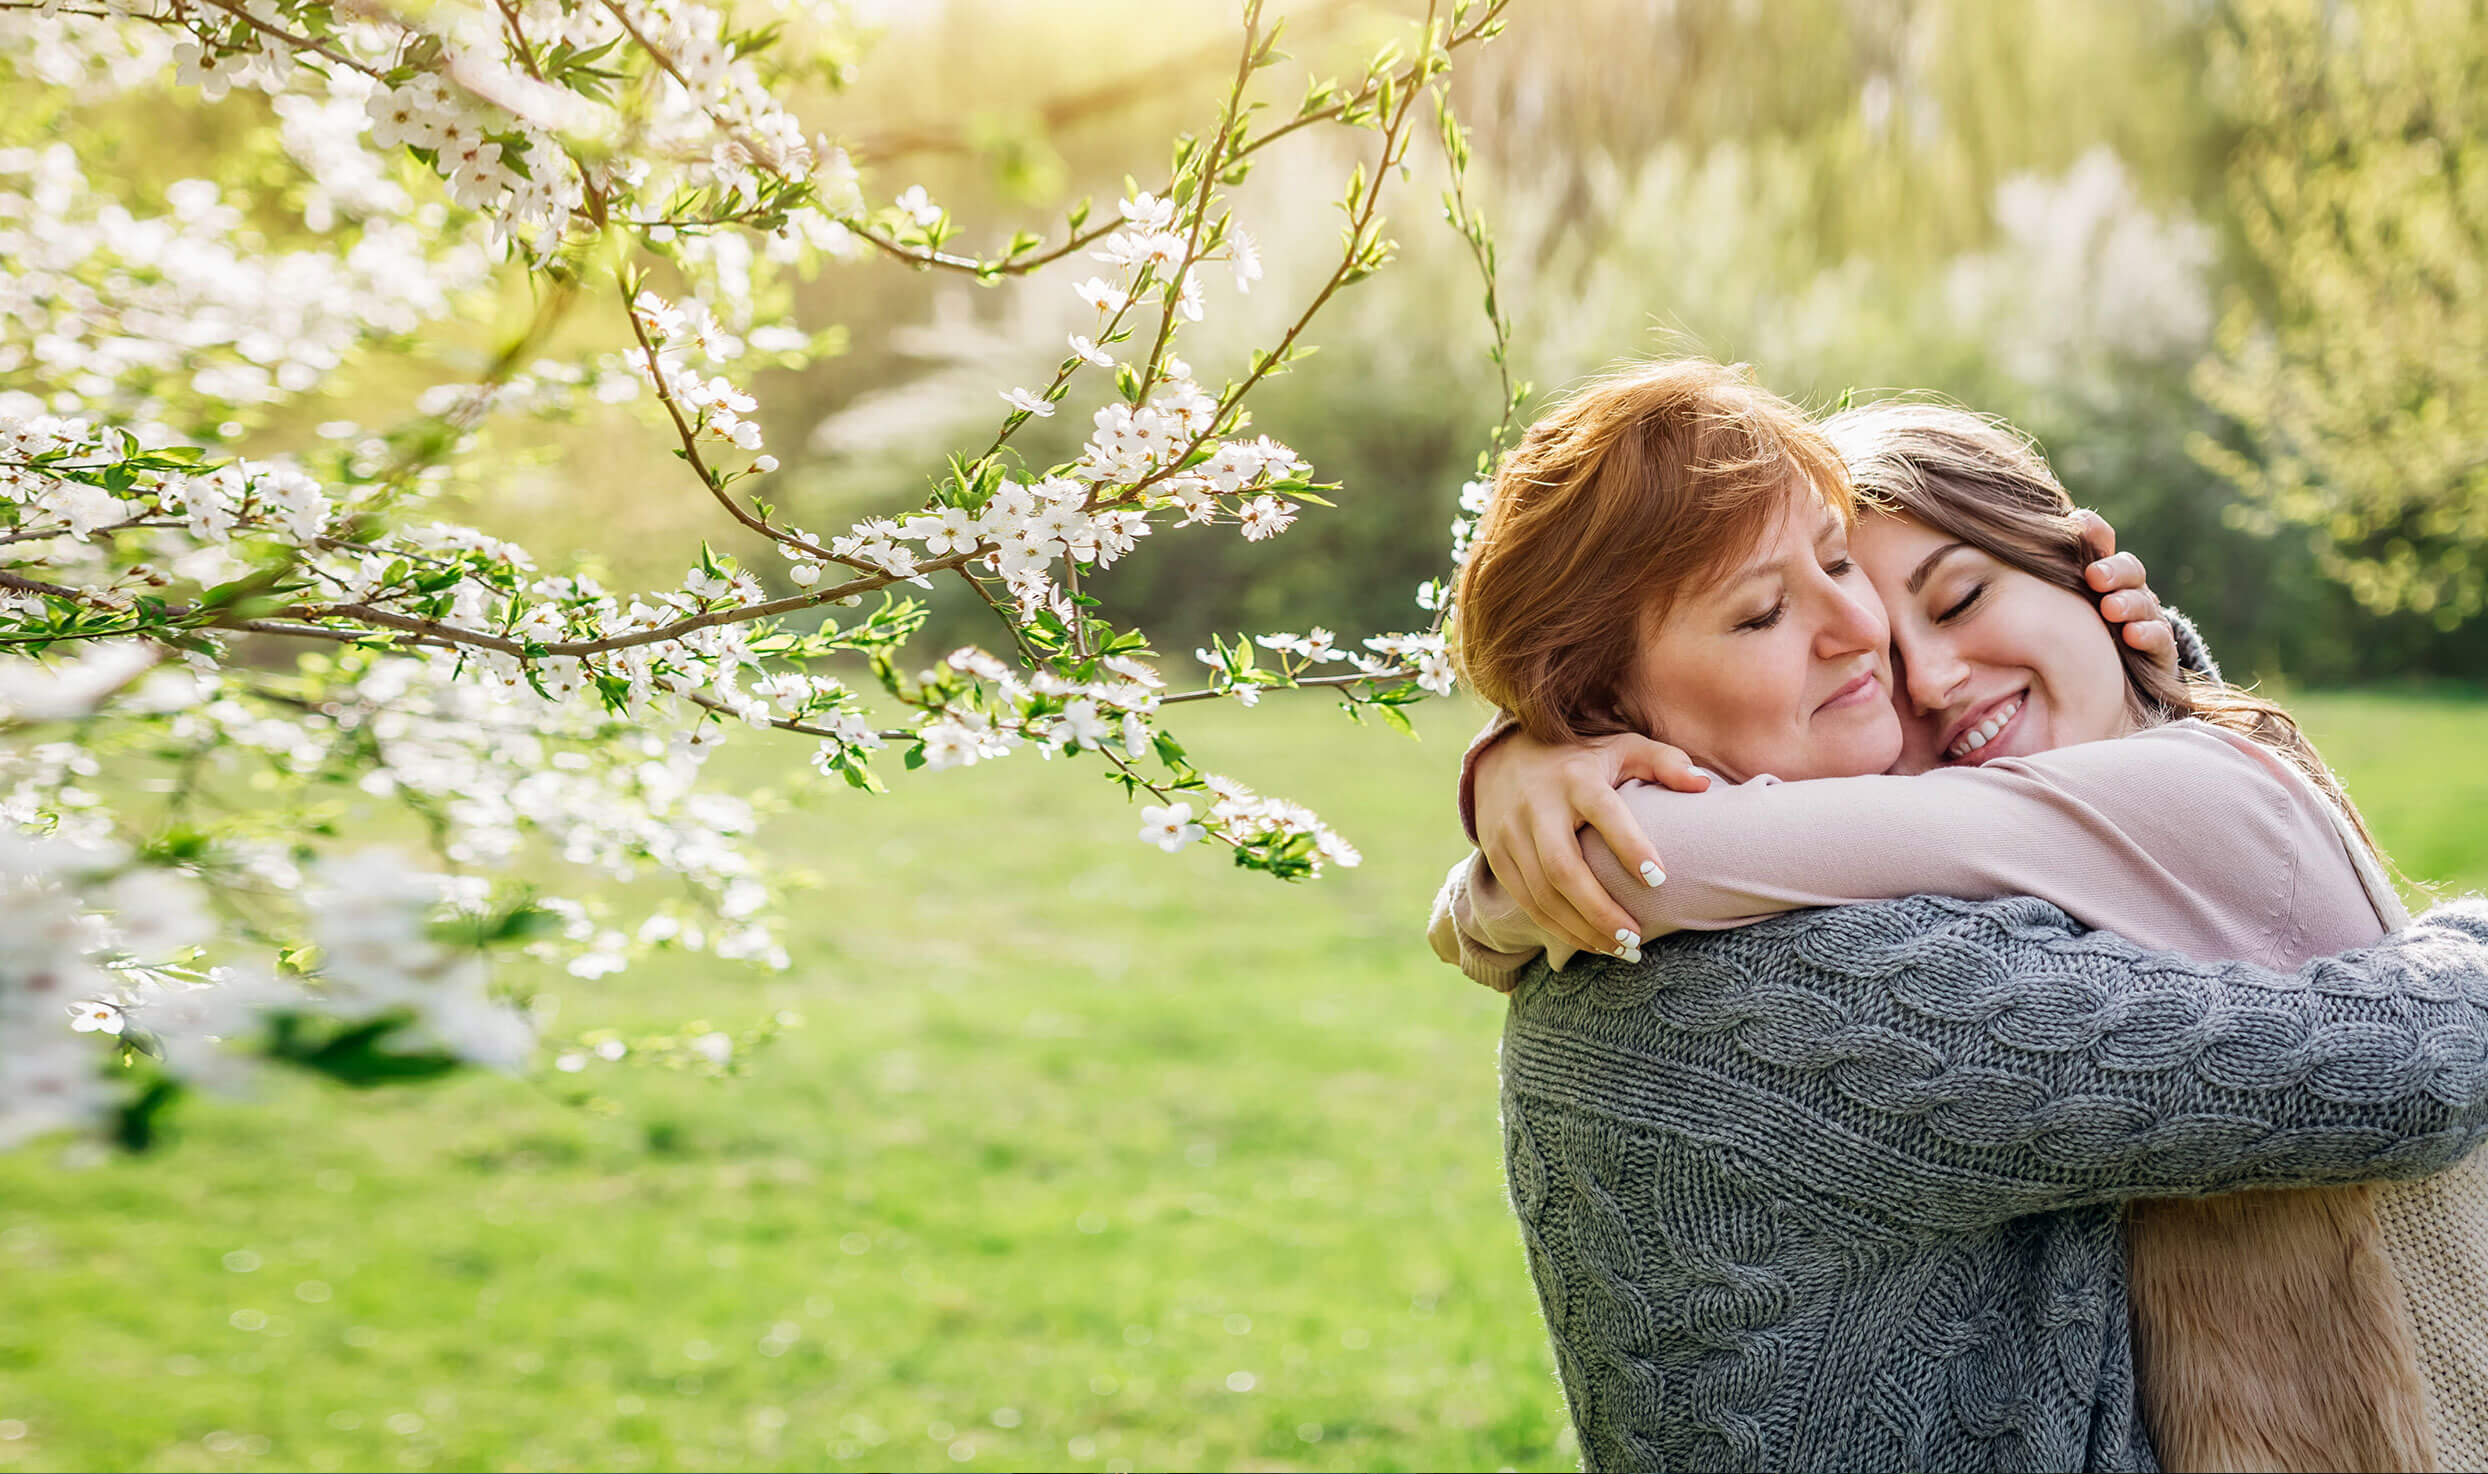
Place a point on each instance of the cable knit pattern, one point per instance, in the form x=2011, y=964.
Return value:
x=1841, y=1189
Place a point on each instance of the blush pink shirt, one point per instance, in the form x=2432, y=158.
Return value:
x=2184, y=836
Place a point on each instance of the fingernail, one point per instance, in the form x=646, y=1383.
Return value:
x=1627, y=938
x=1630, y=954
x=1651, y=874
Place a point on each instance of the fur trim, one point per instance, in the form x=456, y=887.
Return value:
x=2270, y=1332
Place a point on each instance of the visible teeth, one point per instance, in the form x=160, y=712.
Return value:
x=1985, y=732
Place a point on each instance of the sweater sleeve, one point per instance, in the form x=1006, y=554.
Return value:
x=2180, y=837
x=1498, y=727
x=1950, y=1064
x=2194, y=657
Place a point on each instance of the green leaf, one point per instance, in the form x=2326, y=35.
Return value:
x=356, y=1055
x=139, y=1127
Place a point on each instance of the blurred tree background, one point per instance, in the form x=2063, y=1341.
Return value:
x=2222, y=259
x=1196, y=1170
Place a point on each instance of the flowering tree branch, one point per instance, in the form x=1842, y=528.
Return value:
x=299, y=624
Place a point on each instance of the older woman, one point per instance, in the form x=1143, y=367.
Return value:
x=1843, y=1188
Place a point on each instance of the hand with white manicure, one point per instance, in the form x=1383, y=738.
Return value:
x=2124, y=590
x=1534, y=798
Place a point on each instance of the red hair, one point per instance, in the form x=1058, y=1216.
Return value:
x=1651, y=483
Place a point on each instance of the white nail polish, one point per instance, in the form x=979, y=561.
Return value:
x=1651, y=874
x=1632, y=954
x=1627, y=938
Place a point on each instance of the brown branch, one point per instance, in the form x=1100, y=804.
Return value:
x=1394, y=677
x=44, y=534
x=739, y=614
x=691, y=447
x=434, y=632
x=789, y=724
x=1204, y=196
x=36, y=586
x=300, y=43
x=1394, y=142
x=1021, y=265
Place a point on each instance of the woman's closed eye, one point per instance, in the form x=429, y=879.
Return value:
x=1766, y=618
x=1963, y=605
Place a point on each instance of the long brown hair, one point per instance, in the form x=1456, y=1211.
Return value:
x=1642, y=487
x=1977, y=480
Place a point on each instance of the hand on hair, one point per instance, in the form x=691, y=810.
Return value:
x=2124, y=587
x=1533, y=799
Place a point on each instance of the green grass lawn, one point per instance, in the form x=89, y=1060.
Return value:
x=1098, y=1161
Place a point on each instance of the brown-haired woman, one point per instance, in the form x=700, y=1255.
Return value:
x=1842, y=1186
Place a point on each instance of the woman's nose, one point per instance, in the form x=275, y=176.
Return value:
x=1853, y=622
x=1932, y=671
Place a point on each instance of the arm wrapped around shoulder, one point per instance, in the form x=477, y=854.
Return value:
x=1953, y=1063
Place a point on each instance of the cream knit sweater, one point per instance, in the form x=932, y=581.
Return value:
x=2436, y=1234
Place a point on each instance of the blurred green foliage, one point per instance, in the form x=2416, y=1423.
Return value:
x=2358, y=362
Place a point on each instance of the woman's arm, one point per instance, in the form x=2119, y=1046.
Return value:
x=1522, y=801
x=2181, y=837
x=1949, y=1065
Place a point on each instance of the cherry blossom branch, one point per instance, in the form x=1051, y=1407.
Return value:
x=45, y=533
x=279, y=33
x=37, y=586
x=1394, y=143
x=1133, y=775
x=691, y=446
x=739, y=614
x=1370, y=88
x=1396, y=676
x=286, y=621
x=761, y=153
x=1206, y=196
x=791, y=724
x=1464, y=219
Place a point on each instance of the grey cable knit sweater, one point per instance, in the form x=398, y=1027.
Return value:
x=1840, y=1190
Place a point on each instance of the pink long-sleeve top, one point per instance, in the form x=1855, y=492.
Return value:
x=2183, y=836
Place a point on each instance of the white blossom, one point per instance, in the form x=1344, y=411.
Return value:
x=96, y=1016
x=1170, y=827
x=1103, y=296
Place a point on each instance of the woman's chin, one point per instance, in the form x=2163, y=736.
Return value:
x=1853, y=743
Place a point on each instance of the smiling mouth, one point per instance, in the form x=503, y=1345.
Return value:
x=1987, y=728
x=1848, y=695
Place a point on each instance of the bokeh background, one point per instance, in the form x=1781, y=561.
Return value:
x=1084, y=1158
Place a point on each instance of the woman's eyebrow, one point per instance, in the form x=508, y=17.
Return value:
x=1926, y=565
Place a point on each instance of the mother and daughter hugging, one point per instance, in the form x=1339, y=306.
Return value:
x=1950, y=1029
